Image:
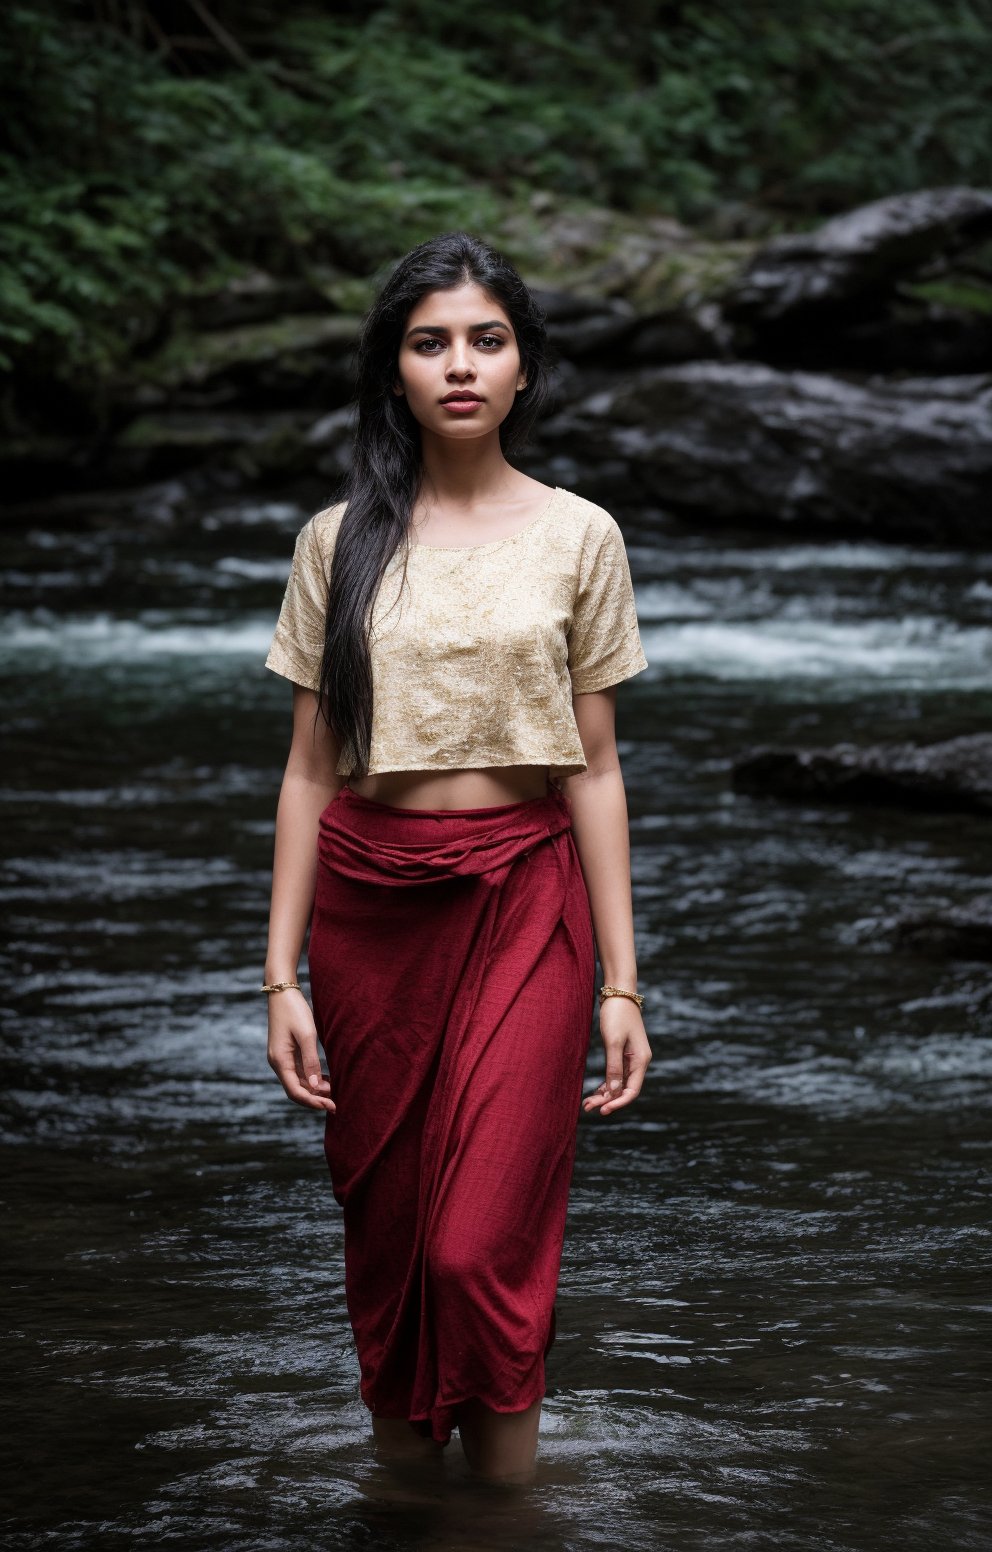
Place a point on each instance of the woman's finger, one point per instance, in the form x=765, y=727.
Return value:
x=308, y=1064
x=615, y=1101
x=638, y=1066
x=303, y=1095
x=290, y=1075
x=617, y=1064
x=597, y=1098
x=606, y=1098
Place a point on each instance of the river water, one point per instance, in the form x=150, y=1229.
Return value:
x=773, y=1316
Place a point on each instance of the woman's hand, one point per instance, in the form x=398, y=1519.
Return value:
x=293, y=1051
x=627, y=1055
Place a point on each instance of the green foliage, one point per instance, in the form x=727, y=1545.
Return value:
x=135, y=176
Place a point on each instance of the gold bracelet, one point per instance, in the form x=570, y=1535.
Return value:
x=281, y=986
x=619, y=991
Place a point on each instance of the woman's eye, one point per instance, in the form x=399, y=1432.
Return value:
x=492, y=338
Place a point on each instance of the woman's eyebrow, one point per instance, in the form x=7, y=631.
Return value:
x=439, y=328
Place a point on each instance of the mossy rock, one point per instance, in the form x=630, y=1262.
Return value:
x=197, y=360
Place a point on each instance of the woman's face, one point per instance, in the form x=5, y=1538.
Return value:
x=459, y=341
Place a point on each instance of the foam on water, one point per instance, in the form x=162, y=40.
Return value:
x=918, y=649
x=921, y=650
x=107, y=638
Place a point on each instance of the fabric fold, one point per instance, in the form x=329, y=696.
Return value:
x=415, y=855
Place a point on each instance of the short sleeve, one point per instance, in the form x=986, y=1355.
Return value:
x=297, y=648
x=604, y=643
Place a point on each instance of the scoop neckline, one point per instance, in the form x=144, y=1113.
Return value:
x=490, y=544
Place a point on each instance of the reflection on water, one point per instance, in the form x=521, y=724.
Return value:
x=773, y=1312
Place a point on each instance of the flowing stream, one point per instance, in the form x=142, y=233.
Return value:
x=773, y=1315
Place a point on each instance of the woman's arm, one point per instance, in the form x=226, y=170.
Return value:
x=308, y=785
x=600, y=827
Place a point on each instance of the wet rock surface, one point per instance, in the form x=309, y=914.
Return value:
x=954, y=774
x=955, y=932
x=746, y=442
x=859, y=253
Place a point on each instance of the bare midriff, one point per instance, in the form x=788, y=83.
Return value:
x=454, y=789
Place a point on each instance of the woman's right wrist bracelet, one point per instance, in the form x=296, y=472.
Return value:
x=280, y=986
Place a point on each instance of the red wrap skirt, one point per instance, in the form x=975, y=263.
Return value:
x=452, y=973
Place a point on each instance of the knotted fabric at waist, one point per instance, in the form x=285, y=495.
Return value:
x=378, y=843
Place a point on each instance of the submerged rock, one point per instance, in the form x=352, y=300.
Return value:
x=953, y=774
x=959, y=932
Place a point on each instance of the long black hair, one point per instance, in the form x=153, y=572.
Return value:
x=385, y=471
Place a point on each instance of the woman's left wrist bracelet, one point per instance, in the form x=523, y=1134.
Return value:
x=280, y=986
x=619, y=991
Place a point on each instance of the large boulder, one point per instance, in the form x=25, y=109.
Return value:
x=748, y=443
x=859, y=252
x=901, y=282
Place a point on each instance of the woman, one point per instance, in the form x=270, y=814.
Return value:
x=455, y=841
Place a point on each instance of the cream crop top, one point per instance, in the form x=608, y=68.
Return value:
x=476, y=658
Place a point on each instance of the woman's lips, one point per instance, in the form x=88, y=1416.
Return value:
x=461, y=406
